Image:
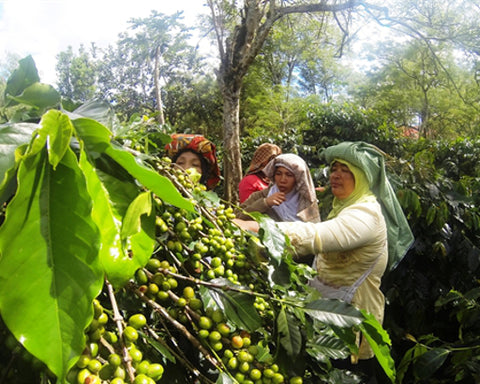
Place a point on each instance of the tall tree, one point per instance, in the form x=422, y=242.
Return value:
x=410, y=86
x=297, y=50
x=298, y=63
x=77, y=73
x=148, y=58
x=195, y=105
x=424, y=78
x=240, y=35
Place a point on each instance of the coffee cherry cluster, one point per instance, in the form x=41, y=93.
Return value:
x=206, y=252
x=113, y=352
x=188, y=179
x=163, y=319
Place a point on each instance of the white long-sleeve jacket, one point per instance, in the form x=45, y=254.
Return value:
x=346, y=247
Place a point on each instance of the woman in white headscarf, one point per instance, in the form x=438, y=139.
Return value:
x=291, y=195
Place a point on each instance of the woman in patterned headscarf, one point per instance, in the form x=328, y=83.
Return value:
x=255, y=179
x=195, y=151
x=291, y=195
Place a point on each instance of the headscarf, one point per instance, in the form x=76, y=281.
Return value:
x=369, y=159
x=264, y=153
x=200, y=145
x=304, y=192
x=360, y=194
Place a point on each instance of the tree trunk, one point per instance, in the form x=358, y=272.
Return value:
x=232, y=159
x=158, y=89
x=425, y=114
x=238, y=47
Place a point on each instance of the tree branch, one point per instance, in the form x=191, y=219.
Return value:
x=217, y=28
x=318, y=7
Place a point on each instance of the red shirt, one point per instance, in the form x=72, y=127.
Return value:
x=250, y=184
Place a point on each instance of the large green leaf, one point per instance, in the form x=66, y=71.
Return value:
x=95, y=135
x=348, y=337
x=380, y=342
x=9, y=184
x=138, y=233
x=11, y=137
x=290, y=335
x=328, y=347
x=334, y=312
x=429, y=362
x=272, y=237
x=57, y=128
x=25, y=75
x=120, y=256
x=405, y=363
x=49, y=267
x=97, y=138
x=279, y=276
x=237, y=306
x=132, y=223
x=38, y=95
x=155, y=182
x=98, y=110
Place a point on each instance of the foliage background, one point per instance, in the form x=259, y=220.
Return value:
x=305, y=103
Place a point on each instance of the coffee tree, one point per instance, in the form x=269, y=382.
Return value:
x=116, y=267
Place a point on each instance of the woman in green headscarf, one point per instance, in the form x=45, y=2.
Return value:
x=365, y=233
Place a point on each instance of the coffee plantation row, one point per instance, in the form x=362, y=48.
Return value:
x=118, y=267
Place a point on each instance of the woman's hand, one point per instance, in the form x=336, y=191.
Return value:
x=276, y=198
x=249, y=225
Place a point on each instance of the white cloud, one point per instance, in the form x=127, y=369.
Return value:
x=44, y=28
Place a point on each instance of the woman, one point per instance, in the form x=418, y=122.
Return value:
x=255, y=179
x=195, y=151
x=291, y=196
x=365, y=232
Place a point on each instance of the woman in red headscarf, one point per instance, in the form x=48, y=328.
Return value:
x=255, y=179
x=195, y=151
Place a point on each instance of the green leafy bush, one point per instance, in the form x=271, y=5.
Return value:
x=432, y=301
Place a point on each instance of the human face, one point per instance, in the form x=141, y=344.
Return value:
x=284, y=179
x=342, y=181
x=189, y=160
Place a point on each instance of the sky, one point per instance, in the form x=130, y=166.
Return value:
x=44, y=28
